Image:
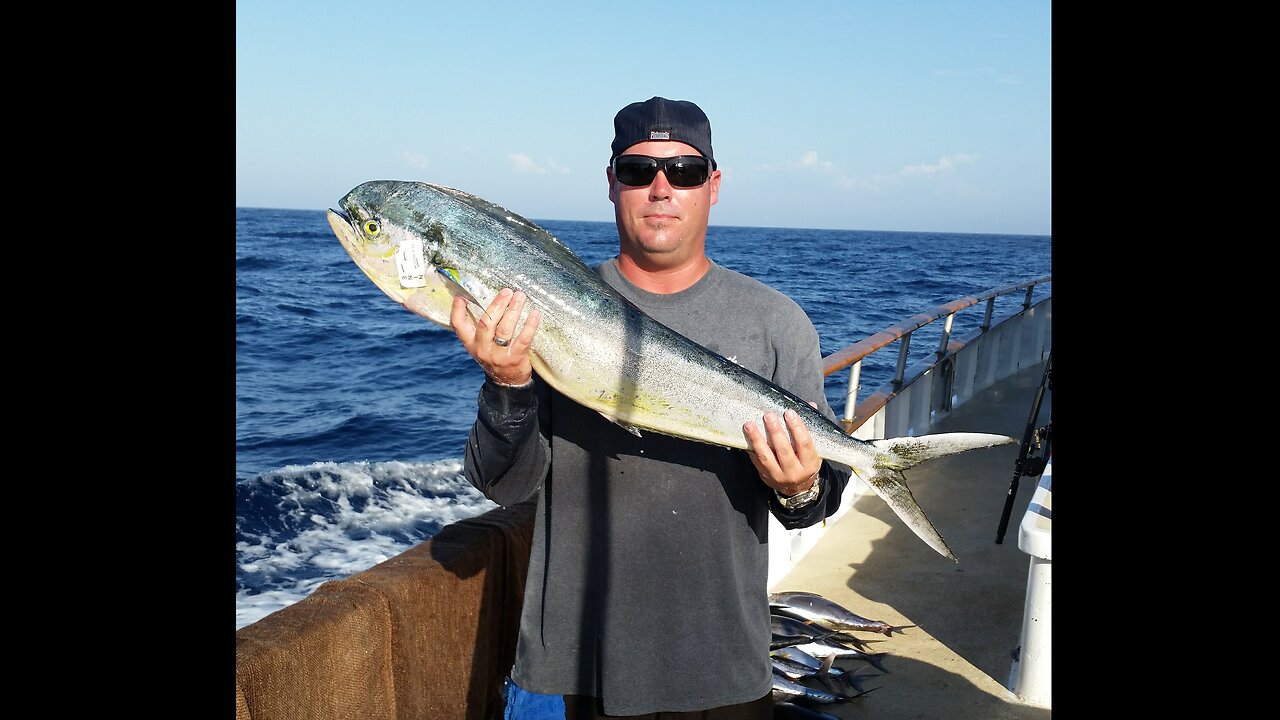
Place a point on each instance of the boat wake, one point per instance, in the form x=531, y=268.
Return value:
x=302, y=525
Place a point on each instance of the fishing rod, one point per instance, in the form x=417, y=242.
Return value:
x=1025, y=465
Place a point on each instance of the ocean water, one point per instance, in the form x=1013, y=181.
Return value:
x=352, y=412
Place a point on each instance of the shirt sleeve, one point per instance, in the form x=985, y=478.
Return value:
x=507, y=455
x=801, y=373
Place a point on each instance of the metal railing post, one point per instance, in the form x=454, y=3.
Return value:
x=851, y=394
x=946, y=334
x=902, y=360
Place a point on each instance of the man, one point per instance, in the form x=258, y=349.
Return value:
x=647, y=584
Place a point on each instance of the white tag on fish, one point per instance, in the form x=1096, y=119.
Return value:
x=409, y=261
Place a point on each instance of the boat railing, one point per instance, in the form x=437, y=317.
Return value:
x=959, y=367
x=965, y=363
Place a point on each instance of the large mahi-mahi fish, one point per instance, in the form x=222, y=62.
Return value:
x=422, y=244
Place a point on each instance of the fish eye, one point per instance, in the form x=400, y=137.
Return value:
x=372, y=227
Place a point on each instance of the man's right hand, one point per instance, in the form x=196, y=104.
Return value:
x=507, y=363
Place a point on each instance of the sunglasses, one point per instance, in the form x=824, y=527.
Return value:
x=684, y=171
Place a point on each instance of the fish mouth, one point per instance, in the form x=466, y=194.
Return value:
x=339, y=218
x=344, y=228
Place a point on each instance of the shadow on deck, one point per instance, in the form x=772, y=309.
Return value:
x=968, y=615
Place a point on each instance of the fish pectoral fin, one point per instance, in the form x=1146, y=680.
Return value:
x=827, y=662
x=629, y=428
x=453, y=283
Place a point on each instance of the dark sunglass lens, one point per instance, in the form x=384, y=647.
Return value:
x=686, y=171
x=635, y=171
x=681, y=171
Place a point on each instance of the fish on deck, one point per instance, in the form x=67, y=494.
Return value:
x=821, y=611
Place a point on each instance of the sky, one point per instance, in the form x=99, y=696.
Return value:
x=908, y=115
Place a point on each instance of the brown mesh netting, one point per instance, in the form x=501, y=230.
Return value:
x=427, y=634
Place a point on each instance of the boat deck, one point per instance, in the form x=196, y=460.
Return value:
x=957, y=660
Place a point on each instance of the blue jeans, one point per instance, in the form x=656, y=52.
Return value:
x=524, y=705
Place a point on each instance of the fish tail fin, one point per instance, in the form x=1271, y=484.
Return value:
x=908, y=452
x=891, y=486
x=853, y=680
x=864, y=692
x=874, y=659
x=896, y=628
x=900, y=453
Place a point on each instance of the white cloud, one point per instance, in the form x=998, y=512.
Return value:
x=525, y=165
x=415, y=160
x=809, y=162
x=946, y=163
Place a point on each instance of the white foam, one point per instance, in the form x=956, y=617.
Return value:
x=400, y=505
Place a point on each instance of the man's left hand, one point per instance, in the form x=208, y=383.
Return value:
x=783, y=453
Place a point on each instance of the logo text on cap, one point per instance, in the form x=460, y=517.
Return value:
x=659, y=135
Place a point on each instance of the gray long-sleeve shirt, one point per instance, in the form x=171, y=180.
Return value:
x=647, y=583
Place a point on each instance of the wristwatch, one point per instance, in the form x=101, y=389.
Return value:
x=800, y=499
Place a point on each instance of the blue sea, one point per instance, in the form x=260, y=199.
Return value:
x=352, y=412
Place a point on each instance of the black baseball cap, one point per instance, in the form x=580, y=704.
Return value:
x=661, y=119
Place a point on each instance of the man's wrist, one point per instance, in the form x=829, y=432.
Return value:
x=526, y=384
x=801, y=498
